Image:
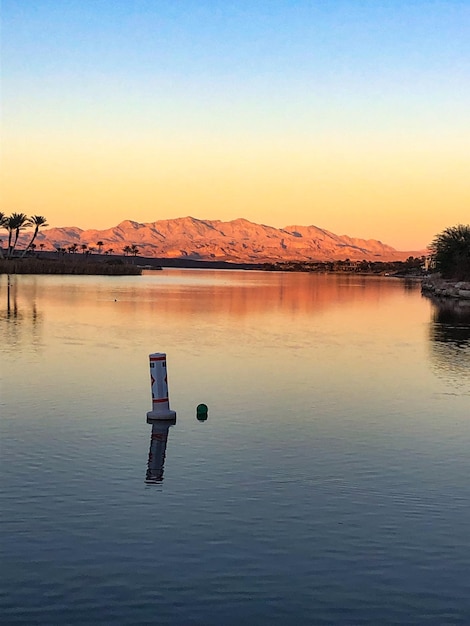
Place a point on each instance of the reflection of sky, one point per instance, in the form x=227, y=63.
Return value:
x=334, y=459
x=242, y=337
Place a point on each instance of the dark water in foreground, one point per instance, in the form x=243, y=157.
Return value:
x=329, y=485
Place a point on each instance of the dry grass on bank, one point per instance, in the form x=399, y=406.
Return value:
x=68, y=266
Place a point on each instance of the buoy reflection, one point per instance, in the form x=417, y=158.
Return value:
x=157, y=452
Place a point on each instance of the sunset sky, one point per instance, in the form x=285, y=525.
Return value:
x=352, y=115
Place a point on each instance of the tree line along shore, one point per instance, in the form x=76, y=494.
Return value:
x=29, y=261
x=449, y=257
x=66, y=263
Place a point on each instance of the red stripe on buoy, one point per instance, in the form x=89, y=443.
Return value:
x=160, y=400
x=158, y=358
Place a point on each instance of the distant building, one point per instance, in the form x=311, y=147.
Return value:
x=429, y=263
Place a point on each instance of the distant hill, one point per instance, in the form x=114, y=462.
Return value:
x=213, y=240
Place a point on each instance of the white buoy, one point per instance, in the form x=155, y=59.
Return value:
x=159, y=381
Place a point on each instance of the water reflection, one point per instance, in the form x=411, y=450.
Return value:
x=157, y=452
x=450, y=337
x=411, y=285
x=20, y=320
x=214, y=293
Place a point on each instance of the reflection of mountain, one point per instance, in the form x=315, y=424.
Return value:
x=157, y=452
x=450, y=337
x=19, y=317
x=238, y=294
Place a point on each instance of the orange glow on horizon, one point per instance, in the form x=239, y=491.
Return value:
x=402, y=199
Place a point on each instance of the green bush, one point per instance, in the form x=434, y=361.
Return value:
x=451, y=252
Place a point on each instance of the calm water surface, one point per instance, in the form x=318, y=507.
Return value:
x=329, y=485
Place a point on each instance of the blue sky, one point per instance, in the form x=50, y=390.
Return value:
x=350, y=115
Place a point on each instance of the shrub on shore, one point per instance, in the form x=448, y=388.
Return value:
x=451, y=252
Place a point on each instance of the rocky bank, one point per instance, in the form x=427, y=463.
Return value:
x=434, y=285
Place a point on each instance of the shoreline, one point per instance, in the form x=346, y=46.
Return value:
x=50, y=263
x=67, y=267
x=435, y=286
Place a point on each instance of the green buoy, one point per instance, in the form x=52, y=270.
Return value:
x=201, y=412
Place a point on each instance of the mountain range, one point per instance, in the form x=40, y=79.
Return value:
x=238, y=240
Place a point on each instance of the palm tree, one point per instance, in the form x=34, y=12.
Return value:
x=37, y=221
x=8, y=224
x=15, y=223
x=100, y=244
x=451, y=252
x=83, y=247
x=2, y=224
x=22, y=221
x=134, y=249
x=127, y=250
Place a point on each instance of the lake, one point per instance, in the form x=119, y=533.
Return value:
x=329, y=484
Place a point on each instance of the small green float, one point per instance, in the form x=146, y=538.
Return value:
x=201, y=412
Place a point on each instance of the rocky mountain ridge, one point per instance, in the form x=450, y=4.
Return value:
x=238, y=240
